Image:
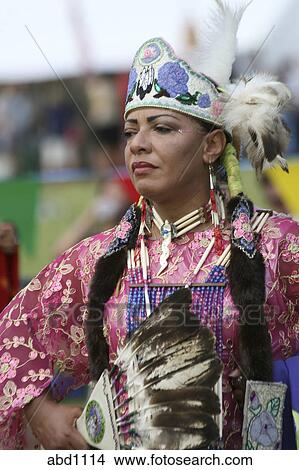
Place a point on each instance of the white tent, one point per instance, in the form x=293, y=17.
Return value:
x=40, y=39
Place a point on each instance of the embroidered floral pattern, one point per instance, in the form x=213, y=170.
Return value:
x=8, y=366
x=122, y=231
x=17, y=397
x=263, y=430
x=54, y=285
x=172, y=83
x=262, y=426
x=164, y=77
x=291, y=250
x=85, y=268
x=242, y=227
x=199, y=240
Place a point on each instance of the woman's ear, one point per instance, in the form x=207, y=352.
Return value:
x=215, y=142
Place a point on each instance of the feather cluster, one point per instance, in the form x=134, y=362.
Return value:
x=252, y=109
x=171, y=368
x=218, y=42
x=252, y=114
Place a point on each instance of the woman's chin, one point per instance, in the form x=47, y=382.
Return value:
x=148, y=190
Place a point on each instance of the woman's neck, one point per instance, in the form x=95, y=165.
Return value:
x=177, y=208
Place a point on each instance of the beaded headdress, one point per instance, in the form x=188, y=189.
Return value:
x=158, y=78
x=249, y=108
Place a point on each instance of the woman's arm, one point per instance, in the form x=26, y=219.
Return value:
x=42, y=343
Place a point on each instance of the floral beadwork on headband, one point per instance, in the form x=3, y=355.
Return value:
x=150, y=54
x=160, y=79
x=172, y=79
x=172, y=82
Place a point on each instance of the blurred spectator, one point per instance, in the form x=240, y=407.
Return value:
x=103, y=103
x=15, y=118
x=42, y=125
x=9, y=269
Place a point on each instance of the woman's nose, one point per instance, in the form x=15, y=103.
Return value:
x=140, y=143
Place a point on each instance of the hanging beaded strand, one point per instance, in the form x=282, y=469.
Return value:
x=144, y=258
x=215, y=215
x=139, y=305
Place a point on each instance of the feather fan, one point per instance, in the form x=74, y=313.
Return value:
x=171, y=368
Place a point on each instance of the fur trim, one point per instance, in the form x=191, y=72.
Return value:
x=247, y=285
x=108, y=271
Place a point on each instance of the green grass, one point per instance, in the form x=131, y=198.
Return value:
x=58, y=207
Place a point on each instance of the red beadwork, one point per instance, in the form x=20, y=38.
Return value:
x=215, y=217
x=218, y=240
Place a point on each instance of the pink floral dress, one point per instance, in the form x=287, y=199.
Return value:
x=42, y=330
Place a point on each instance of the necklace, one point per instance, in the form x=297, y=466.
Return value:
x=144, y=295
x=178, y=228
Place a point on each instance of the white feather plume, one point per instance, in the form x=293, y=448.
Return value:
x=252, y=114
x=218, y=43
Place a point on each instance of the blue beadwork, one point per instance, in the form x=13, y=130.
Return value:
x=207, y=302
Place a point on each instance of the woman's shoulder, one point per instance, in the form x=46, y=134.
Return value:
x=96, y=245
x=280, y=233
x=278, y=225
x=109, y=241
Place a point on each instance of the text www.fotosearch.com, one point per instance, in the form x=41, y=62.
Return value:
x=213, y=460
x=135, y=461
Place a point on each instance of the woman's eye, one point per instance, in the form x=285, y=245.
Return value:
x=128, y=134
x=163, y=130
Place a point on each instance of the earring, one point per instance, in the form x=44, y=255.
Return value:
x=214, y=213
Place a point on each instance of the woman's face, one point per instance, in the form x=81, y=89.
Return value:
x=164, y=153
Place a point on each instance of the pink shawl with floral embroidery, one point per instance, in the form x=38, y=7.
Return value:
x=42, y=329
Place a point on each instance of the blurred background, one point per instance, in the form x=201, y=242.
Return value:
x=63, y=77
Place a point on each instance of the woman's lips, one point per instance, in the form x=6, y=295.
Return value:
x=142, y=167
